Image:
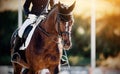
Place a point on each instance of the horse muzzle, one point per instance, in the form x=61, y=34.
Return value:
x=66, y=40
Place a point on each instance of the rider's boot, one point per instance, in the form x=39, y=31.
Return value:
x=18, y=43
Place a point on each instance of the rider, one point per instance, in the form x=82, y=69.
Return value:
x=39, y=7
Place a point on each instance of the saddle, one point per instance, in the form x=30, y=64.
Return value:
x=27, y=35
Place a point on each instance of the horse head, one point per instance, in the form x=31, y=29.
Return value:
x=65, y=20
x=59, y=23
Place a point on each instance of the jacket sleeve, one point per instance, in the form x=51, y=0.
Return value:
x=26, y=7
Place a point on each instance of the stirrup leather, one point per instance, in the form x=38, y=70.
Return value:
x=64, y=60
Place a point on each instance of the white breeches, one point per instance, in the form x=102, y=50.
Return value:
x=56, y=1
x=31, y=19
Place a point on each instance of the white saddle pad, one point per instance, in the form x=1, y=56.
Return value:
x=24, y=46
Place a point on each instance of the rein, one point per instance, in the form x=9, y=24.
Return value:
x=44, y=32
x=59, y=17
x=48, y=35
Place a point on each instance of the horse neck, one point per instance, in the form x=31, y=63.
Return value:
x=50, y=22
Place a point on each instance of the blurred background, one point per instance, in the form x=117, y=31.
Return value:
x=107, y=32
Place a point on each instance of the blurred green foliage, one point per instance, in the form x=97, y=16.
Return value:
x=81, y=41
x=8, y=23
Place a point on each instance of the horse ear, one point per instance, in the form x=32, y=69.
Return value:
x=70, y=9
x=59, y=4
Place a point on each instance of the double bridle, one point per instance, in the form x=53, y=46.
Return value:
x=61, y=18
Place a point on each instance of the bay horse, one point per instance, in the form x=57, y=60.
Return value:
x=43, y=51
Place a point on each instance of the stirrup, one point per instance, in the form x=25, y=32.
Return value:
x=17, y=58
x=64, y=60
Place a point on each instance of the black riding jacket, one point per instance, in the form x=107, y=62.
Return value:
x=37, y=6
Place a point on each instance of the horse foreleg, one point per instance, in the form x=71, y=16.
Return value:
x=17, y=68
x=54, y=70
x=57, y=70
